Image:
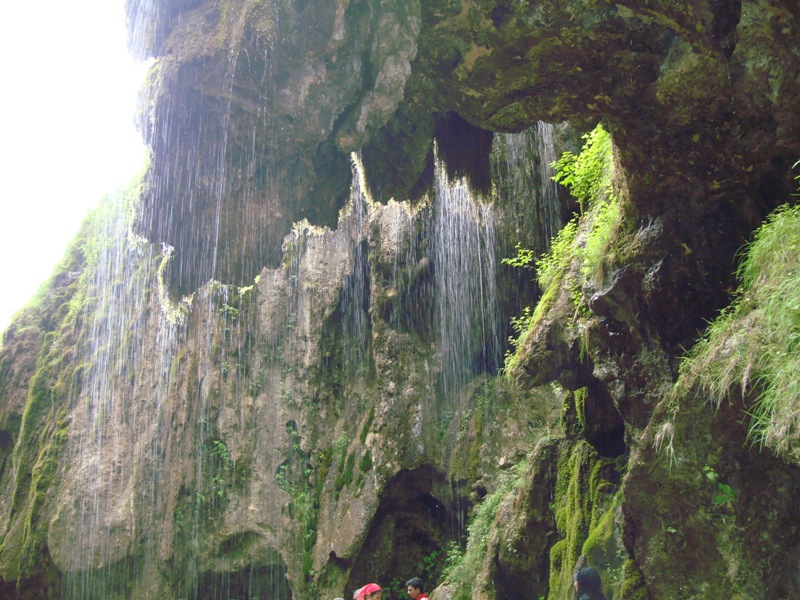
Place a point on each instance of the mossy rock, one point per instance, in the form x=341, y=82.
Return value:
x=586, y=506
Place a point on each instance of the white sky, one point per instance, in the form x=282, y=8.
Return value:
x=67, y=102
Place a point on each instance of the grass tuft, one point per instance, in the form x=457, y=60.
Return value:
x=755, y=343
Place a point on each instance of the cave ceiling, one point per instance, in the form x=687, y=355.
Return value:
x=253, y=109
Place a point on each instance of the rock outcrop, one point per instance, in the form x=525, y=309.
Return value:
x=332, y=411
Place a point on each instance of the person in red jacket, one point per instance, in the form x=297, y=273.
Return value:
x=414, y=589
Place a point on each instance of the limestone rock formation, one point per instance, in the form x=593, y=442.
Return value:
x=274, y=373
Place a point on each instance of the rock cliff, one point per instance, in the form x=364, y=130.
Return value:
x=272, y=367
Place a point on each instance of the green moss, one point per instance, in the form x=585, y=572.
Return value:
x=42, y=437
x=367, y=424
x=348, y=469
x=580, y=405
x=557, y=553
x=632, y=586
x=61, y=309
x=585, y=507
x=465, y=459
x=365, y=464
x=599, y=538
x=572, y=506
x=40, y=492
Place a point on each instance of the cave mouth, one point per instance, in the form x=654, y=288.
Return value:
x=419, y=515
x=267, y=581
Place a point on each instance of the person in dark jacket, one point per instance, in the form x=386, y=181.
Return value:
x=588, y=585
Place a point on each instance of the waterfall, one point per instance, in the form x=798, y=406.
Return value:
x=523, y=176
x=154, y=386
x=355, y=291
x=116, y=440
x=463, y=243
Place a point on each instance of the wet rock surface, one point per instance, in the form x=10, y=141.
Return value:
x=300, y=430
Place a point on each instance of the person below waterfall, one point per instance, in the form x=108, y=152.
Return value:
x=414, y=587
x=371, y=591
x=588, y=585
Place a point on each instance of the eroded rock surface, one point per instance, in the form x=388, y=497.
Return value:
x=290, y=431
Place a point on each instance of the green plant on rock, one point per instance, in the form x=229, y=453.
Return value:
x=723, y=494
x=754, y=344
x=583, y=244
x=589, y=174
x=430, y=566
x=552, y=266
x=218, y=474
x=551, y=271
x=524, y=259
x=258, y=384
x=445, y=420
x=463, y=566
x=229, y=312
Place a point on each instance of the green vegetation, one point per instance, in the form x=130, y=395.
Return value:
x=302, y=477
x=257, y=384
x=367, y=424
x=584, y=506
x=429, y=569
x=365, y=464
x=579, y=252
x=229, y=312
x=464, y=566
x=551, y=267
x=632, y=585
x=723, y=493
x=524, y=258
x=754, y=344
x=218, y=475
x=588, y=175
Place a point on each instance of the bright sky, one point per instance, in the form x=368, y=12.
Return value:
x=67, y=103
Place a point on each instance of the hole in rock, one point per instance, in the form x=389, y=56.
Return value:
x=465, y=150
x=5, y=440
x=610, y=443
x=418, y=515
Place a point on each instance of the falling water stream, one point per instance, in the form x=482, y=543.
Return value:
x=523, y=174
x=127, y=506
x=355, y=290
x=116, y=441
x=466, y=293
